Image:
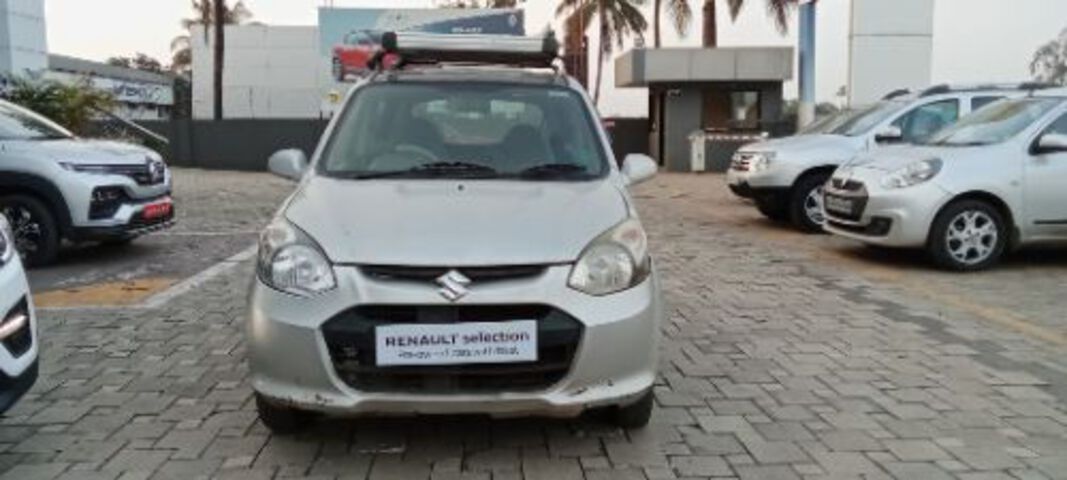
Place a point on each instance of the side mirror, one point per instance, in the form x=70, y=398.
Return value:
x=289, y=164
x=1051, y=143
x=638, y=167
x=890, y=134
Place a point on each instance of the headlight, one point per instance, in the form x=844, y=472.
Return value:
x=7, y=241
x=614, y=261
x=290, y=261
x=913, y=174
x=760, y=161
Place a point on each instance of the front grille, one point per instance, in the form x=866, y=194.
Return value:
x=429, y=274
x=350, y=339
x=140, y=173
x=21, y=341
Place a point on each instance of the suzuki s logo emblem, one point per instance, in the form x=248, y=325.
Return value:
x=453, y=285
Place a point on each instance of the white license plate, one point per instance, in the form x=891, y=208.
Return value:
x=840, y=205
x=457, y=343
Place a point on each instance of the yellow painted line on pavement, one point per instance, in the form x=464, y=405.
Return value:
x=120, y=293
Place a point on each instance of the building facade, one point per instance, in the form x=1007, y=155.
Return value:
x=139, y=95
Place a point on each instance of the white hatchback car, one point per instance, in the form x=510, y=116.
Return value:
x=18, y=326
x=462, y=241
x=784, y=177
x=993, y=181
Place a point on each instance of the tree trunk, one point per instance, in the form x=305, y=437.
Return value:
x=657, y=6
x=604, y=37
x=711, y=28
x=220, y=53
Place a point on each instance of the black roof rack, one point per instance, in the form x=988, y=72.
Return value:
x=896, y=93
x=424, y=48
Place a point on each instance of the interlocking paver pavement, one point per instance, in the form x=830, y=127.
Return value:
x=775, y=365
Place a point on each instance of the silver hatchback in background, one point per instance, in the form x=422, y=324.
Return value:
x=992, y=182
x=462, y=241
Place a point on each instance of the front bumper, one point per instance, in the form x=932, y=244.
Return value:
x=18, y=347
x=886, y=217
x=129, y=221
x=613, y=364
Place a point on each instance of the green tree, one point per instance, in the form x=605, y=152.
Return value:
x=1049, y=64
x=680, y=13
x=72, y=106
x=779, y=10
x=618, y=20
x=139, y=61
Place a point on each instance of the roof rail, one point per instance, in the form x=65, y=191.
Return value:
x=426, y=48
x=947, y=88
x=896, y=93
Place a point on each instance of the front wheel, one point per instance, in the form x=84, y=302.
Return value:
x=805, y=203
x=36, y=233
x=968, y=235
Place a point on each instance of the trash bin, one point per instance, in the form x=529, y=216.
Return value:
x=698, y=151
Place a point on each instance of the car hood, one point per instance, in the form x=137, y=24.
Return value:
x=806, y=144
x=454, y=222
x=893, y=158
x=83, y=151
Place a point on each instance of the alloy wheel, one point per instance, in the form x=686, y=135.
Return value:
x=813, y=206
x=971, y=237
x=27, y=230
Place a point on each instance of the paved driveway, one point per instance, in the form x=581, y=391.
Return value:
x=780, y=361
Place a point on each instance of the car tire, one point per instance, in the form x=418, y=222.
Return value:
x=967, y=236
x=281, y=420
x=805, y=202
x=637, y=414
x=772, y=207
x=36, y=232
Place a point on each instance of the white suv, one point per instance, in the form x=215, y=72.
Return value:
x=462, y=241
x=18, y=326
x=784, y=177
x=993, y=181
x=55, y=186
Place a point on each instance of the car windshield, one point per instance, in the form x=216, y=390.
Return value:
x=828, y=123
x=17, y=123
x=863, y=120
x=995, y=123
x=468, y=130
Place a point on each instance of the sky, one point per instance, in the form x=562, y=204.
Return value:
x=974, y=40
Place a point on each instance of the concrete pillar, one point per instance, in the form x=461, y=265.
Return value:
x=23, y=39
x=890, y=47
x=806, y=111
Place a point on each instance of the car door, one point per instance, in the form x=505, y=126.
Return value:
x=1045, y=180
x=921, y=122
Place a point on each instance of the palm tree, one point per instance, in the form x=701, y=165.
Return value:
x=618, y=20
x=680, y=14
x=180, y=47
x=779, y=9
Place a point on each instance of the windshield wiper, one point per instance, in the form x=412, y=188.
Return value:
x=553, y=170
x=463, y=169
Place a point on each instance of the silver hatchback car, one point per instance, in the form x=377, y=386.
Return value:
x=461, y=241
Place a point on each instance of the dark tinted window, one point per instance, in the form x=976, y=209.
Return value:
x=979, y=102
x=17, y=123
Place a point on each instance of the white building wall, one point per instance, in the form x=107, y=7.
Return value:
x=890, y=47
x=270, y=72
x=23, y=39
